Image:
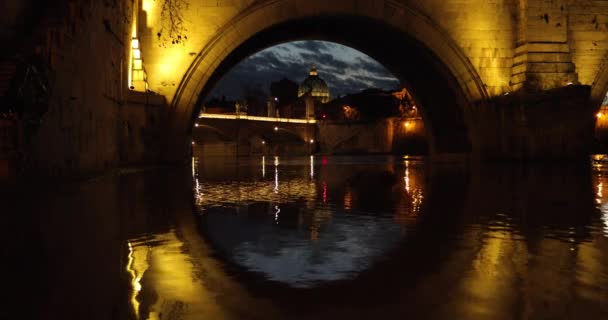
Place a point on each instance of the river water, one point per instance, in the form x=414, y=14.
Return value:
x=313, y=238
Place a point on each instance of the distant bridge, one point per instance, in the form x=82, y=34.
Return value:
x=244, y=134
x=254, y=118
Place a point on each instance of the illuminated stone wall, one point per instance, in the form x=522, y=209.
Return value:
x=93, y=121
x=588, y=40
x=489, y=48
x=485, y=31
x=507, y=41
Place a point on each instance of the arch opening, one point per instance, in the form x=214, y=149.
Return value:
x=446, y=105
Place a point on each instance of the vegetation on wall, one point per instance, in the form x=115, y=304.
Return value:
x=172, y=22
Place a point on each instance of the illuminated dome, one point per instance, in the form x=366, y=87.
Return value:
x=315, y=85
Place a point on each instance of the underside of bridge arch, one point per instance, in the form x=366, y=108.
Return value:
x=435, y=90
x=439, y=77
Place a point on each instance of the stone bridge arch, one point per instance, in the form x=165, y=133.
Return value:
x=423, y=56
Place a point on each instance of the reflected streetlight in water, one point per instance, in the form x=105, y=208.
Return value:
x=312, y=166
x=602, y=206
x=406, y=178
x=276, y=174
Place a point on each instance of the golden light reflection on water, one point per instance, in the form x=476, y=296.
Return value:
x=348, y=200
x=494, y=263
x=165, y=281
x=602, y=205
x=312, y=167
x=135, y=268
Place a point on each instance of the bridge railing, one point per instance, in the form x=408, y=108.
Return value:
x=253, y=118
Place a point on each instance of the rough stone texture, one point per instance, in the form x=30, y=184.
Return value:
x=140, y=128
x=480, y=49
x=551, y=125
x=93, y=121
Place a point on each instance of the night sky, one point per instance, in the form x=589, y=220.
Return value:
x=344, y=69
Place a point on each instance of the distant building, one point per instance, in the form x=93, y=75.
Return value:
x=314, y=85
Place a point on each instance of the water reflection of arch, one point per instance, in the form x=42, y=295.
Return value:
x=474, y=238
x=213, y=229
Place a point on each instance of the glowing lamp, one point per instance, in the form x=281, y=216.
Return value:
x=263, y=142
x=276, y=128
x=135, y=43
x=136, y=53
x=312, y=141
x=599, y=115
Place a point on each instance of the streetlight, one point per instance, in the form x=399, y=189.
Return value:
x=312, y=141
x=276, y=128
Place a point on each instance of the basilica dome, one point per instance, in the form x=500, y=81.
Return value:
x=315, y=85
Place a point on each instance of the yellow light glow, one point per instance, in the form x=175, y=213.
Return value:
x=135, y=280
x=599, y=115
x=406, y=124
x=138, y=75
x=135, y=43
x=137, y=64
x=253, y=118
x=147, y=5
x=136, y=54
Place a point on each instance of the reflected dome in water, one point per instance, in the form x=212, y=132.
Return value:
x=304, y=223
x=300, y=248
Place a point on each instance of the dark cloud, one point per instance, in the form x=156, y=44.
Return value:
x=313, y=46
x=345, y=70
x=371, y=66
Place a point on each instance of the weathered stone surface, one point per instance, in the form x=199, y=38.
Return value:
x=551, y=125
x=476, y=50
